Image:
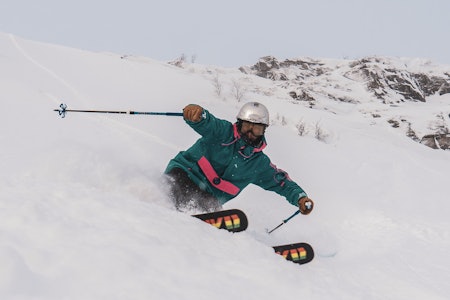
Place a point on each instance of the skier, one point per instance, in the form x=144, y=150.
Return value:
x=226, y=159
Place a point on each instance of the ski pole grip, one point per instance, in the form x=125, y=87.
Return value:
x=308, y=205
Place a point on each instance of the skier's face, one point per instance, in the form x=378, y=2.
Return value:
x=252, y=131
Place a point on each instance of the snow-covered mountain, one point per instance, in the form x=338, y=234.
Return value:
x=372, y=85
x=83, y=209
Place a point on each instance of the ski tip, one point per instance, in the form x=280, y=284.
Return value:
x=299, y=253
x=233, y=220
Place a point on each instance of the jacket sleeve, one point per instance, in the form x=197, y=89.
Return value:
x=273, y=179
x=210, y=126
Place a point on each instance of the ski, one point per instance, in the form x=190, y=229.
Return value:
x=299, y=253
x=233, y=220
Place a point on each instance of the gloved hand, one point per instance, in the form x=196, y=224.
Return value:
x=305, y=205
x=193, y=112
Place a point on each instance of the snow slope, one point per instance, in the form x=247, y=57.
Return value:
x=83, y=211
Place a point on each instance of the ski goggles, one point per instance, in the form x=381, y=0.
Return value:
x=257, y=128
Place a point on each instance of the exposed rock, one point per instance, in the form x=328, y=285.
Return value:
x=437, y=141
x=266, y=67
x=391, y=81
x=269, y=67
x=383, y=80
x=302, y=96
x=394, y=123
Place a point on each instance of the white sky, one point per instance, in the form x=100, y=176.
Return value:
x=237, y=32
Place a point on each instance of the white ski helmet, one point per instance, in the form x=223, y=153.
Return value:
x=254, y=112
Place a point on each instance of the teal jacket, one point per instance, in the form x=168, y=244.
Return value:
x=221, y=163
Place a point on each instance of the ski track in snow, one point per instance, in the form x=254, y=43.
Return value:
x=42, y=67
x=77, y=95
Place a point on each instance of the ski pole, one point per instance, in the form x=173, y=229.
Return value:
x=284, y=221
x=62, y=110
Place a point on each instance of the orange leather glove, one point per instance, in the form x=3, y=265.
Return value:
x=193, y=112
x=305, y=205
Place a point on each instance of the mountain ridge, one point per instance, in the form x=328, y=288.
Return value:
x=385, y=80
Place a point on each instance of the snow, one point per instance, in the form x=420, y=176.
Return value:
x=84, y=214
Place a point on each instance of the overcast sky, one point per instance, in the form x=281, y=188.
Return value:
x=237, y=32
